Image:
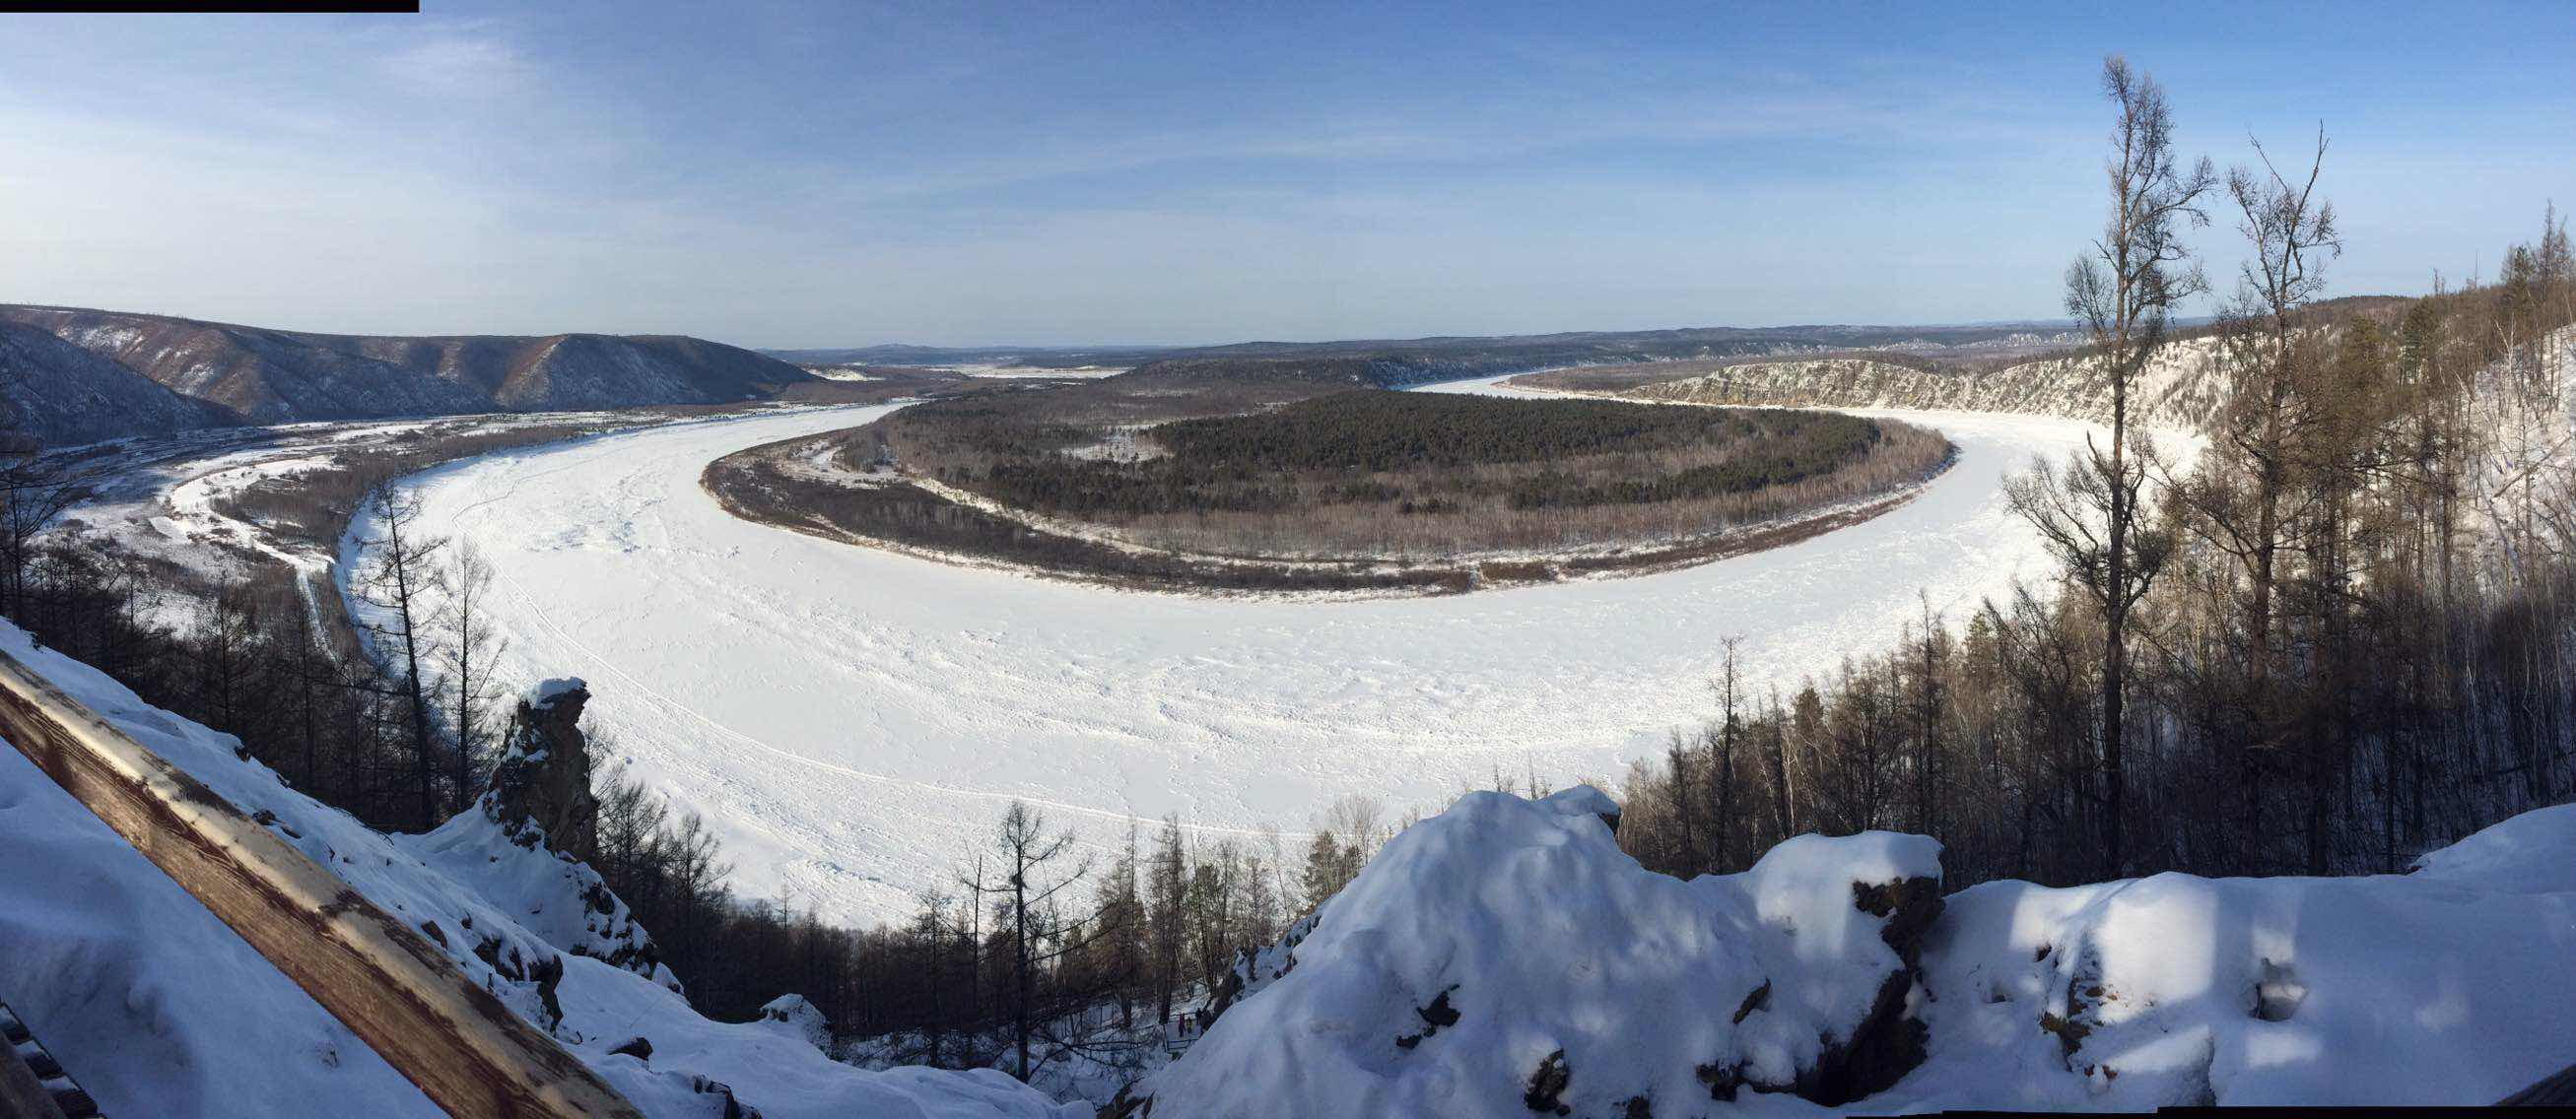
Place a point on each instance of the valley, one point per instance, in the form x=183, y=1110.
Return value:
x=805, y=696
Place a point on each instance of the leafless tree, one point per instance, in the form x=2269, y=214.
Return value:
x=34, y=489
x=398, y=576
x=1023, y=903
x=2123, y=289
x=468, y=646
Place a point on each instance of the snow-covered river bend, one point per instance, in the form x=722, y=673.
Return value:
x=851, y=721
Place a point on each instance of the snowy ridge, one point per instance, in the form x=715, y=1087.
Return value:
x=146, y=995
x=1505, y=958
x=106, y=373
x=2182, y=387
x=2523, y=411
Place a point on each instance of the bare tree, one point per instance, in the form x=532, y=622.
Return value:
x=399, y=576
x=34, y=489
x=1722, y=741
x=465, y=655
x=2123, y=289
x=1023, y=900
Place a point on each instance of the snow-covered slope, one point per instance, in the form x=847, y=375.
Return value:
x=160, y=1010
x=1504, y=957
x=62, y=394
x=224, y=373
x=2183, y=386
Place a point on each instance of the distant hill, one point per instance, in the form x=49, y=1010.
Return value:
x=1464, y=355
x=70, y=375
x=64, y=394
x=1037, y=357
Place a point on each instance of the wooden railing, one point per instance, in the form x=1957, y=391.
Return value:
x=393, y=988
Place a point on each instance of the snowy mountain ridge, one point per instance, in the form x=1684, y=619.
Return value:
x=71, y=375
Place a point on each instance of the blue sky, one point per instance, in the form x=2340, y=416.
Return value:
x=831, y=174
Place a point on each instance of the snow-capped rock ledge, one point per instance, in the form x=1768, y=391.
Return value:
x=1506, y=958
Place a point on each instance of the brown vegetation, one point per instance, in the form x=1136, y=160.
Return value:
x=1349, y=491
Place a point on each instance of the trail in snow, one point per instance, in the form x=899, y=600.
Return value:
x=850, y=720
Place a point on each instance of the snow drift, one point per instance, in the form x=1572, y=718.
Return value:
x=159, y=1009
x=1506, y=958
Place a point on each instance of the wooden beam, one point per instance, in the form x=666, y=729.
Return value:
x=394, y=989
x=2558, y=1090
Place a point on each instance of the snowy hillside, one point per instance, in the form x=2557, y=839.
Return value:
x=146, y=997
x=2181, y=389
x=97, y=374
x=1505, y=957
x=62, y=394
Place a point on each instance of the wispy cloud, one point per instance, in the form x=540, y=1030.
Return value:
x=472, y=57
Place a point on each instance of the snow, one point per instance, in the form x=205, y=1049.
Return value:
x=793, y=1015
x=2455, y=985
x=1581, y=800
x=1546, y=939
x=2382, y=990
x=158, y=1009
x=544, y=693
x=851, y=720
x=2533, y=853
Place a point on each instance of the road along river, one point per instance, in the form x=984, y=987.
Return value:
x=851, y=721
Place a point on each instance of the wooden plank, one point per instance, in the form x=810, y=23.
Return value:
x=22, y=1094
x=2551, y=1091
x=28, y=1091
x=400, y=994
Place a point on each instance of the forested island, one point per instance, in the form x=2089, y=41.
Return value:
x=1337, y=489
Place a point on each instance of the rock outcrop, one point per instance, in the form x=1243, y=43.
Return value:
x=540, y=792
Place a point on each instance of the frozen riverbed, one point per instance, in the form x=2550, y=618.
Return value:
x=850, y=721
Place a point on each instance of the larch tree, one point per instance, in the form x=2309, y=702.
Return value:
x=468, y=647
x=399, y=577
x=2123, y=289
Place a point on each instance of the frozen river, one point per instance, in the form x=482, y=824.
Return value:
x=851, y=721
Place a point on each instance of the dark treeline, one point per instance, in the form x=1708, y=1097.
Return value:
x=754, y=486
x=2341, y=638
x=1375, y=447
x=1037, y=953
x=1352, y=476
x=1374, y=431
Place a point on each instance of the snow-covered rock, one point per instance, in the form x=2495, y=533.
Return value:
x=1505, y=956
x=796, y=1017
x=2455, y=985
x=159, y=1009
